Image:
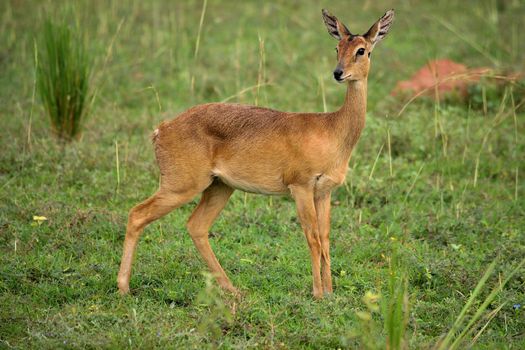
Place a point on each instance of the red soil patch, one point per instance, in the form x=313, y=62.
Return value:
x=439, y=78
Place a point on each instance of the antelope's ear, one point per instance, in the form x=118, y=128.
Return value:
x=336, y=29
x=379, y=30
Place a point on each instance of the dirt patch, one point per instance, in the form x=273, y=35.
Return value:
x=439, y=78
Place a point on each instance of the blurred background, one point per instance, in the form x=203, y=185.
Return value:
x=434, y=191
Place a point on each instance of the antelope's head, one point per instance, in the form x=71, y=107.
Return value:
x=353, y=51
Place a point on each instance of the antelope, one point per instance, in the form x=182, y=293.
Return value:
x=216, y=148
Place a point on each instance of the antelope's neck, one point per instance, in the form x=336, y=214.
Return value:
x=350, y=118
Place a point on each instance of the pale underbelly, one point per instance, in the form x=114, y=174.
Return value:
x=270, y=185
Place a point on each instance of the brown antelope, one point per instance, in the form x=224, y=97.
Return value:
x=216, y=148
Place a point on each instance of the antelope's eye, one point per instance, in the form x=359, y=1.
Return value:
x=360, y=52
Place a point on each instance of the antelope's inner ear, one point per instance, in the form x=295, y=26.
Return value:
x=335, y=28
x=380, y=29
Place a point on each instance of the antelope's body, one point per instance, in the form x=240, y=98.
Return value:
x=215, y=148
x=256, y=149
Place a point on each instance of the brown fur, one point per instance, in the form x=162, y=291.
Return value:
x=216, y=148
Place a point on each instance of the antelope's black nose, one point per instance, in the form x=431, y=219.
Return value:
x=338, y=72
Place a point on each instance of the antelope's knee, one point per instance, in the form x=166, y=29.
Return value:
x=135, y=220
x=195, y=229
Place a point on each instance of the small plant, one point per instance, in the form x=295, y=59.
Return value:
x=217, y=316
x=368, y=332
x=63, y=72
x=393, y=310
x=396, y=307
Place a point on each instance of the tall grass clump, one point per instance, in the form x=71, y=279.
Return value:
x=63, y=71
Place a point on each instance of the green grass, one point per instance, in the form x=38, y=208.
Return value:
x=442, y=185
x=63, y=77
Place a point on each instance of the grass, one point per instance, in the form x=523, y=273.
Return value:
x=441, y=185
x=63, y=78
x=458, y=334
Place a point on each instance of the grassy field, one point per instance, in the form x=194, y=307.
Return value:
x=437, y=188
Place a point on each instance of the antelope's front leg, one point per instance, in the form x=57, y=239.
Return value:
x=322, y=208
x=304, y=200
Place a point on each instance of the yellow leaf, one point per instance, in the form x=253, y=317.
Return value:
x=371, y=301
x=365, y=316
x=39, y=218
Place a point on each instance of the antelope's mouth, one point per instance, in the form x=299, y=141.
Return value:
x=342, y=79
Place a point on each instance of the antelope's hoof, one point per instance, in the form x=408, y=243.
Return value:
x=318, y=295
x=235, y=292
x=123, y=287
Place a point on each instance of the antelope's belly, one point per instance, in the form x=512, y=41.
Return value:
x=264, y=183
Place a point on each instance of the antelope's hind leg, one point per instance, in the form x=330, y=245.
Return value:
x=213, y=200
x=153, y=208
